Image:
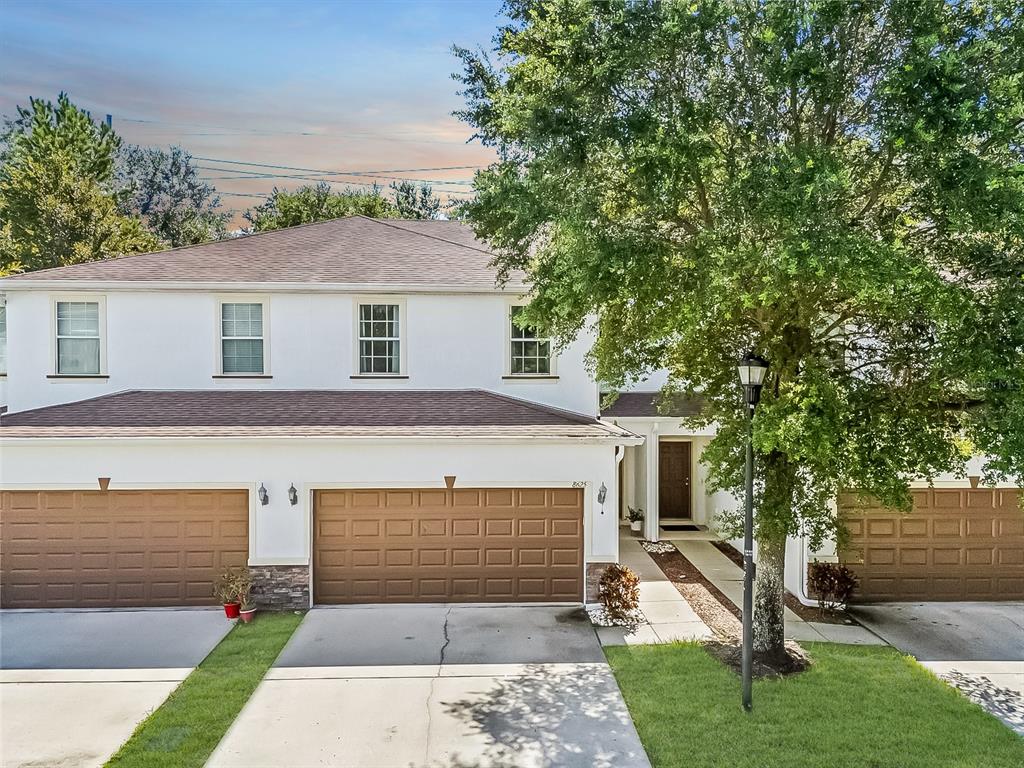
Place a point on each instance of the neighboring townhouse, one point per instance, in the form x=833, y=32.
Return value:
x=349, y=409
x=346, y=407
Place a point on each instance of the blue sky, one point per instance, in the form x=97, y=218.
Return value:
x=345, y=85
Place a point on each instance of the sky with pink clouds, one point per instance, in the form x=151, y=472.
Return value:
x=350, y=85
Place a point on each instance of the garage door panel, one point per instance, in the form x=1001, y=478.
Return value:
x=471, y=545
x=118, y=548
x=973, y=548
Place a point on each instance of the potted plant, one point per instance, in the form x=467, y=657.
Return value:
x=248, y=610
x=232, y=588
x=636, y=519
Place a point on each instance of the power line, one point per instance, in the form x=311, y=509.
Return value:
x=321, y=177
x=337, y=173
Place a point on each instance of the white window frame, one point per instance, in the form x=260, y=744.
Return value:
x=403, y=345
x=552, y=357
x=93, y=298
x=218, y=337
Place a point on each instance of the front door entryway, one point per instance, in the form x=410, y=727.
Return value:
x=674, y=479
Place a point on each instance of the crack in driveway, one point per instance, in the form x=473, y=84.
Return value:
x=433, y=681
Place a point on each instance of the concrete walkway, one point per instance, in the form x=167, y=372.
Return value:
x=728, y=577
x=668, y=616
x=432, y=686
x=74, y=685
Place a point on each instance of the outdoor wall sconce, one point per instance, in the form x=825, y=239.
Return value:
x=602, y=494
x=293, y=495
x=264, y=496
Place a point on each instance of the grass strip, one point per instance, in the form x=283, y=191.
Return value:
x=186, y=729
x=857, y=707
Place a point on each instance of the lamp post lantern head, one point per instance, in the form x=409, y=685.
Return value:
x=752, y=370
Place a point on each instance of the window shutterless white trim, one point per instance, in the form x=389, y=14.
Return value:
x=264, y=337
x=55, y=335
x=400, y=339
x=510, y=344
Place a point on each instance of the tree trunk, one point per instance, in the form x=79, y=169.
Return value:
x=769, y=591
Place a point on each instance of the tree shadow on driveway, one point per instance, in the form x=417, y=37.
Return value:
x=552, y=715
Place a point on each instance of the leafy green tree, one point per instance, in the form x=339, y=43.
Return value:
x=415, y=202
x=163, y=188
x=836, y=185
x=57, y=204
x=316, y=202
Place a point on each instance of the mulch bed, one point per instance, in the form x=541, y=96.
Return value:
x=794, y=661
x=723, y=618
x=708, y=602
x=805, y=612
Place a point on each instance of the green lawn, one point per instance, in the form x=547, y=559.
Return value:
x=858, y=707
x=185, y=730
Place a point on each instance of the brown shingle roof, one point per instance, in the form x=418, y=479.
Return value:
x=304, y=412
x=652, y=404
x=355, y=250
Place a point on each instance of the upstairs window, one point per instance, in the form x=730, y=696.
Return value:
x=380, y=343
x=78, y=338
x=530, y=352
x=241, y=339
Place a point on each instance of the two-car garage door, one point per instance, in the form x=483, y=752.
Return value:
x=956, y=544
x=85, y=549
x=437, y=545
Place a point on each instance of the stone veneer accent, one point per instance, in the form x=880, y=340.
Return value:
x=280, y=587
x=594, y=571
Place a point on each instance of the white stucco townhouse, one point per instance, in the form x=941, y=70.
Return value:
x=347, y=408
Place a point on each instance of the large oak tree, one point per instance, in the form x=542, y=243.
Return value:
x=835, y=184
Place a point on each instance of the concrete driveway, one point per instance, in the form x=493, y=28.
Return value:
x=74, y=684
x=437, y=687
x=977, y=647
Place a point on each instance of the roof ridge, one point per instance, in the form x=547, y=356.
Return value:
x=580, y=418
x=224, y=241
x=389, y=223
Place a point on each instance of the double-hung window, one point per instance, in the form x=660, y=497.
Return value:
x=241, y=339
x=530, y=352
x=380, y=339
x=79, y=344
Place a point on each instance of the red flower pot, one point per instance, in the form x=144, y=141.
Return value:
x=247, y=616
x=231, y=610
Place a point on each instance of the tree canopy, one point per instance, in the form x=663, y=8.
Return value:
x=837, y=185
x=163, y=188
x=57, y=204
x=316, y=202
x=415, y=202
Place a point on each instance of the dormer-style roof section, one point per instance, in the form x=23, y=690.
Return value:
x=355, y=253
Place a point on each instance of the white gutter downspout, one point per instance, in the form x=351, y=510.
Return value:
x=802, y=594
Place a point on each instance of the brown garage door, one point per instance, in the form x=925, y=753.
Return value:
x=86, y=549
x=956, y=544
x=463, y=545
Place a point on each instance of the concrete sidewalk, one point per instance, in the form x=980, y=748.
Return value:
x=728, y=578
x=668, y=616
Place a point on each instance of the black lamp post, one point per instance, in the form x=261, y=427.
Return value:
x=752, y=370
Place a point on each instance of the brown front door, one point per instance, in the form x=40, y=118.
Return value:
x=673, y=479
x=100, y=549
x=434, y=545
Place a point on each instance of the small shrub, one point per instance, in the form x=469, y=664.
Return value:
x=635, y=515
x=832, y=583
x=233, y=585
x=619, y=592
